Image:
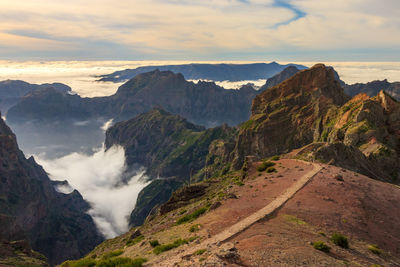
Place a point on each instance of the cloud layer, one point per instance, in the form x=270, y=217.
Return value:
x=98, y=178
x=207, y=29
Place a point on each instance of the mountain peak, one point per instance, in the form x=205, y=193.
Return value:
x=318, y=82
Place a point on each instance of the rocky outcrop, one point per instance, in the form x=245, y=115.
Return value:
x=54, y=224
x=214, y=72
x=289, y=115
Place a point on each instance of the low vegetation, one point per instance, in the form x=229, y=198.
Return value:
x=265, y=165
x=134, y=241
x=194, y=228
x=275, y=158
x=271, y=169
x=112, y=254
x=319, y=245
x=162, y=248
x=340, y=240
x=154, y=243
x=192, y=216
x=199, y=252
x=110, y=262
x=374, y=249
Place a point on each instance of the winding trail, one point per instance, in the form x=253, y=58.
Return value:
x=242, y=225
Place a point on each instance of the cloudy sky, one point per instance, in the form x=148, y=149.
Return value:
x=364, y=30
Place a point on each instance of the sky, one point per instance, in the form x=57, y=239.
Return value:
x=296, y=30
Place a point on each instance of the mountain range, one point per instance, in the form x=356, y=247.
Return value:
x=326, y=153
x=212, y=72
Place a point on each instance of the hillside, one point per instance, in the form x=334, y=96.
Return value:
x=217, y=226
x=326, y=201
x=169, y=147
x=31, y=209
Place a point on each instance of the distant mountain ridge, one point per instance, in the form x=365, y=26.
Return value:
x=212, y=72
x=11, y=91
x=203, y=103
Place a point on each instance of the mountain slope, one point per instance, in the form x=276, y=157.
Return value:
x=333, y=201
x=214, y=72
x=169, y=147
x=55, y=224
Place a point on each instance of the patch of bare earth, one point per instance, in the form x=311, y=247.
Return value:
x=259, y=189
x=336, y=200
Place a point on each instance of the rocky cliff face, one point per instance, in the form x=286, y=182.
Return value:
x=168, y=146
x=288, y=116
x=310, y=111
x=55, y=224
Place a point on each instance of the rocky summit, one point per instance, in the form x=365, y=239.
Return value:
x=52, y=223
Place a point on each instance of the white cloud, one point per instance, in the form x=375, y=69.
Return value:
x=98, y=178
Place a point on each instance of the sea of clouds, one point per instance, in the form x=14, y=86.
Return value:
x=98, y=177
x=81, y=75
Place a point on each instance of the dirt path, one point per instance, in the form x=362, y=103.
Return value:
x=246, y=222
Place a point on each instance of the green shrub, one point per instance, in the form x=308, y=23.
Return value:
x=265, y=165
x=374, y=249
x=112, y=254
x=192, y=216
x=106, y=262
x=199, y=252
x=275, y=158
x=319, y=245
x=375, y=265
x=194, y=228
x=85, y=262
x=271, y=169
x=340, y=240
x=162, y=248
x=135, y=240
x=154, y=243
x=121, y=262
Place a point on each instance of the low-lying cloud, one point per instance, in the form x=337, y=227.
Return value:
x=98, y=177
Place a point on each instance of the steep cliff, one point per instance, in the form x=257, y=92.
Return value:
x=289, y=115
x=54, y=224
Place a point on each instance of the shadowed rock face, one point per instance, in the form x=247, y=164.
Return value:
x=55, y=224
x=287, y=116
